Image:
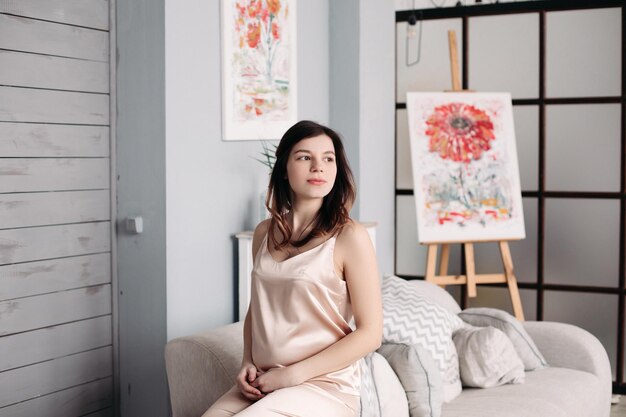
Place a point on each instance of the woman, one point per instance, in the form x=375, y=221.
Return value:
x=314, y=268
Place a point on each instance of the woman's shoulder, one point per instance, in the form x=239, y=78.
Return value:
x=353, y=246
x=352, y=233
x=259, y=234
x=261, y=230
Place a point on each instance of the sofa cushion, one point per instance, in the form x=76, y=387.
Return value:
x=413, y=319
x=523, y=343
x=436, y=294
x=553, y=392
x=487, y=358
x=382, y=393
x=369, y=395
x=419, y=375
x=193, y=363
x=391, y=397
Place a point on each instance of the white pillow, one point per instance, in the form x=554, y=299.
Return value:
x=412, y=319
x=513, y=328
x=391, y=398
x=382, y=393
x=487, y=358
x=419, y=375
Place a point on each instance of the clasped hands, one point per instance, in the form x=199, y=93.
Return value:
x=255, y=384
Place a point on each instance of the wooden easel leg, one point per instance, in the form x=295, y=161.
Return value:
x=443, y=262
x=445, y=259
x=470, y=269
x=454, y=61
x=431, y=263
x=507, y=261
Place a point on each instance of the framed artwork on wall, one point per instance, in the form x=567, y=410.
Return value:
x=465, y=170
x=259, y=68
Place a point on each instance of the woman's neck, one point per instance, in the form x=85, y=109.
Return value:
x=303, y=214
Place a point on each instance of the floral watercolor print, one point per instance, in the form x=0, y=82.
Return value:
x=259, y=68
x=465, y=167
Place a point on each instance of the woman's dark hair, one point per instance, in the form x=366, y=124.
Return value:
x=333, y=214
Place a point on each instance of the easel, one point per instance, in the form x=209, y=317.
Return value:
x=470, y=279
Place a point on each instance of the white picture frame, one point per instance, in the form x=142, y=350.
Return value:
x=259, y=68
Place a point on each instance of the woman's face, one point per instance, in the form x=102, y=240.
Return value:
x=312, y=167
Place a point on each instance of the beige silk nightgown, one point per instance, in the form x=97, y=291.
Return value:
x=298, y=308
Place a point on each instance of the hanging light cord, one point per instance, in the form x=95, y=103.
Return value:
x=413, y=28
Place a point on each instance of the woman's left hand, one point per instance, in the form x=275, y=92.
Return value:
x=276, y=378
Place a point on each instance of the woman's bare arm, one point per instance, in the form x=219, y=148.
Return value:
x=257, y=239
x=248, y=372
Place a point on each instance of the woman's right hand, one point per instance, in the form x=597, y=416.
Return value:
x=246, y=375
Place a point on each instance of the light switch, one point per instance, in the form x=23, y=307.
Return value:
x=134, y=225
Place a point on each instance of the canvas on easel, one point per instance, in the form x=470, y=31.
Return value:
x=465, y=170
x=466, y=178
x=467, y=186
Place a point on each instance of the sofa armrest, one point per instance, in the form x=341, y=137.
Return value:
x=567, y=346
x=202, y=367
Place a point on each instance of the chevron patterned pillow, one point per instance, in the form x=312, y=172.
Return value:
x=412, y=319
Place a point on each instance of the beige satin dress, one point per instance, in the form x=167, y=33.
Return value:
x=298, y=308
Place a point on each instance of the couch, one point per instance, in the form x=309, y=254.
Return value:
x=201, y=367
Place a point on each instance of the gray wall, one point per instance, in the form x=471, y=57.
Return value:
x=377, y=124
x=344, y=81
x=361, y=107
x=141, y=191
x=213, y=186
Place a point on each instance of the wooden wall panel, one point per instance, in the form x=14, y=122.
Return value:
x=41, y=277
x=56, y=330
x=58, y=174
x=54, y=342
x=28, y=35
x=32, y=381
x=31, y=244
x=75, y=401
x=24, y=314
x=88, y=13
x=44, y=71
x=40, y=209
x=43, y=140
x=47, y=106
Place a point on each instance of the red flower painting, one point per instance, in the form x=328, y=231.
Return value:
x=466, y=184
x=258, y=24
x=253, y=36
x=258, y=28
x=459, y=132
x=273, y=6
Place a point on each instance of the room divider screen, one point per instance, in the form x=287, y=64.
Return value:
x=563, y=62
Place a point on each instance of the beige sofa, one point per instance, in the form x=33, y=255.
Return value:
x=577, y=383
